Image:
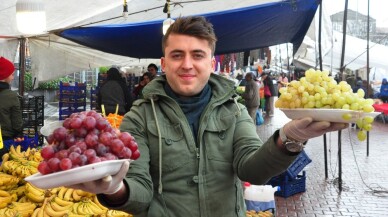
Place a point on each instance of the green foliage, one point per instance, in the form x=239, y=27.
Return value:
x=28, y=81
x=53, y=84
x=103, y=69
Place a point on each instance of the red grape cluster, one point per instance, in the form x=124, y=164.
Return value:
x=85, y=138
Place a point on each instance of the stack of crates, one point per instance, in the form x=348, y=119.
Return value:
x=292, y=182
x=93, y=98
x=33, y=116
x=72, y=99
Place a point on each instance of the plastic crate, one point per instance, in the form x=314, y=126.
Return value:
x=289, y=186
x=27, y=142
x=298, y=165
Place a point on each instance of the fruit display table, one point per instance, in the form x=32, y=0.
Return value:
x=383, y=108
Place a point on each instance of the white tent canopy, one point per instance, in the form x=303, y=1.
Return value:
x=53, y=56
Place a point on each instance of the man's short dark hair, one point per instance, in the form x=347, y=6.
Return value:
x=152, y=65
x=195, y=26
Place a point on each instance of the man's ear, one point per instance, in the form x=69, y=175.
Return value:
x=162, y=63
x=213, y=63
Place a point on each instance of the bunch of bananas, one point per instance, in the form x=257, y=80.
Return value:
x=6, y=198
x=35, y=194
x=8, y=182
x=16, y=162
x=18, y=209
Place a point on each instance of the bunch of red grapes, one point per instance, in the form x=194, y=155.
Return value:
x=85, y=138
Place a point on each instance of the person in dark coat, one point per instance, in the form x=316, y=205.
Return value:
x=269, y=97
x=11, y=121
x=114, y=92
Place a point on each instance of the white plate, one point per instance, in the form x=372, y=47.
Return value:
x=331, y=115
x=77, y=175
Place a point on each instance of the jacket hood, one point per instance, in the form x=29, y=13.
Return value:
x=384, y=81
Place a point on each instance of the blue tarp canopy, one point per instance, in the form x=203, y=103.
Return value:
x=237, y=30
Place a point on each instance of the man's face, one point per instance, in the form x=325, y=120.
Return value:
x=152, y=70
x=187, y=63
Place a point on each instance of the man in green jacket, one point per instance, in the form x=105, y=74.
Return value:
x=196, y=141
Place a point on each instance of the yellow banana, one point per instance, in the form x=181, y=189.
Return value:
x=4, y=201
x=61, y=193
x=68, y=195
x=117, y=213
x=95, y=209
x=23, y=199
x=5, y=157
x=53, y=213
x=35, y=213
x=34, y=197
x=27, y=152
x=95, y=200
x=4, y=194
x=19, y=150
x=62, y=202
x=76, y=196
x=58, y=207
x=82, y=209
x=34, y=190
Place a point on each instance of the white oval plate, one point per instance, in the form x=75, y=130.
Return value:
x=331, y=115
x=77, y=175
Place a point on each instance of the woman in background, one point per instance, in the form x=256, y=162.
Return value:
x=114, y=92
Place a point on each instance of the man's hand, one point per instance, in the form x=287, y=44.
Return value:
x=305, y=128
x=106, y=185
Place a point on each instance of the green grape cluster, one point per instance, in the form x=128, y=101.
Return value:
x=319, y=90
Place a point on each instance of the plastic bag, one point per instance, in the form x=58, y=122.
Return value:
x=259, y=117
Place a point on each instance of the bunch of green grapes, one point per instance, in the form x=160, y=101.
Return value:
x=319, y=90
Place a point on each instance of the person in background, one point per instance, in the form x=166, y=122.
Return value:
x=114, y=92
x=144, y=80
x=153, y=69
x=282, y=81
x=196, y=141
x=11, y=121
x=269, y=94
x=251, y=95
x=384, y=91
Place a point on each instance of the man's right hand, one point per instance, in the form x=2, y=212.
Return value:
x=107, y=185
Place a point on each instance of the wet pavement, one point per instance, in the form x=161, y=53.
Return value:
x=364, y=178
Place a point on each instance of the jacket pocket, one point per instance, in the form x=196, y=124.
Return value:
x=218, y=138
x=175, y=152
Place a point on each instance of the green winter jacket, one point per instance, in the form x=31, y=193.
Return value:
x=10, y=112
x=175, y=178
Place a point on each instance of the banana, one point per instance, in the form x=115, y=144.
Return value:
x=27, y=152
x=35, y=213
x=19, y=150
x=95, y=209
x=5, y=157
x=4, y=193
x=23, y=199
x=62, y=202
x=76, y=196
x=53, y=213
x=35, y=197
x=68, y=195
x=117, y=213
x=82, y=209
x=4, y=201
x=62, y=192
x=58, y=207
x=34, y=190
x=95, y=200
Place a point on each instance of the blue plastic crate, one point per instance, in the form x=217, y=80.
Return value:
x=289, y=186
x=298, y=165
x=27, y=142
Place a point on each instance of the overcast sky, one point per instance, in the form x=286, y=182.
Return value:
x=378, y=9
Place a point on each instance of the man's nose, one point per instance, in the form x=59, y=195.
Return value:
x=187, y=63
